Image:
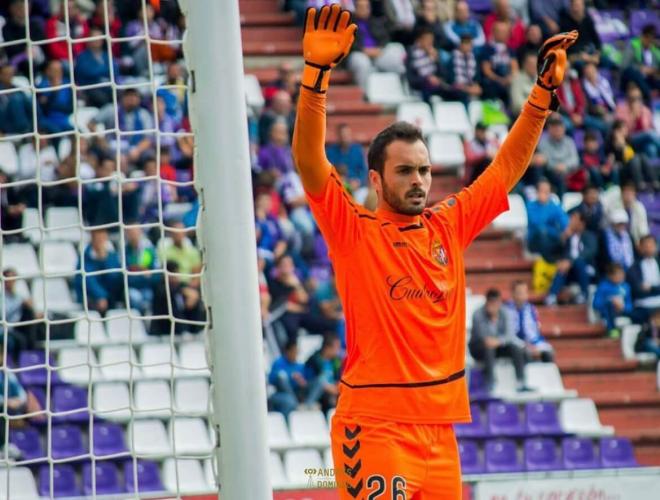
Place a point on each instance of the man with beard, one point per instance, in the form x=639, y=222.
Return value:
x=400, y=275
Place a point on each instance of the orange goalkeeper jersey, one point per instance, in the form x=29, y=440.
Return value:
x=401, y=279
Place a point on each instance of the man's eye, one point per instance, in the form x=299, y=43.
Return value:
x=424, y=170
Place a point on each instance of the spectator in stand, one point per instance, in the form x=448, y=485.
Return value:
x=600, y=98
x=133, y=117
x=102, y=290
x=547, y=222
x=578, y=260
x=329, y=305
x=465, y=71
x=293, y=197
x=114, y=23
x=502, y=11
x=348, y=157
x=54, y=106
x=12, y=204
x=619, y=246
x=401, y=20
x=588, y=45
x=493, y=336
x=281, y=107
x=18, y=308
x=444, y=8
x=648, y=339
x=264, y=294
x=639, y=120
x=523, y=82
x=180, y=251
x=498, y=64
x=14, y=30
x=634, y=167
x=275, y=156
x=526, y=324
x=430, y=16
x=532, y=43
x=479, y=152
x=573, y=103
x=323, y=370
x=602, y=171
x=592, y=209
x=287, y=376
x=185, y=305
x=641, y=61
x=15, y=106
x=141, y=257
x=271, y=241
x=546, y=13
x=15, y=404
x=613, y=298
x=424, y=70
x=558, y=155
x=644, y=276
x=637, y=224
x=288, y=79
x=137, y=48
x=372, y=49
x=92, y=67
x=287, y=291
x=101, y=198
x=174, y=98
x=56, y=27
x=463, y=25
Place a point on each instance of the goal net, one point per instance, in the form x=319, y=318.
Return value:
x=105, y=379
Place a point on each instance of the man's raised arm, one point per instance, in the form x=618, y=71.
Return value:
x=327, y=40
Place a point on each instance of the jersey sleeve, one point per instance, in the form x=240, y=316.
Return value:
x=336, y=214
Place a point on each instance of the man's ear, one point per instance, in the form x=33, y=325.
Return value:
x=374, y=179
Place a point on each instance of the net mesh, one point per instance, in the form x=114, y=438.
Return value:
x=105, y=381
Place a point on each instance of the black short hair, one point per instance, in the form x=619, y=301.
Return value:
x=518, y=283
x=329, y=338
x=589, y=187
x=628, y=184
x=493, y=294
x=646, y=237
x=399, y=131
x=648, y=29
x=612, y=268
x=290, y=344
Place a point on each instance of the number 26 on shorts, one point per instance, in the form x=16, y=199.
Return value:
x=378, y=483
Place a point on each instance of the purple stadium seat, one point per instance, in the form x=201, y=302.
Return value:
x=470, y=461
x=40, y=394
x=35, y=376
x=542, y=419
x=610, y=24
x=541, y=454
x=617, y=452
x=579, y=453
x=67, y=442
x=502, y=456
x=475, y=429
x=480, y=6
x=477, y=388
x=27, y=440
x=108, y=439
x=504, y=420
x=107, y=479
x=64, y=482
x=148, y=476
x=640, y=18
x=69, y=398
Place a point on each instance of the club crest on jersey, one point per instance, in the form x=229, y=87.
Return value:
x=439, y=254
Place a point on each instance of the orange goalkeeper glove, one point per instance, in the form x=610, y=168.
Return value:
x=326, y=41
x=551, y=67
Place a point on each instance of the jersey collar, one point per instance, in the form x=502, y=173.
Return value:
x=397, y=217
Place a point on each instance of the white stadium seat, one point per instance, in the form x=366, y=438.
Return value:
x=90, y=330
x=570, y=201
x=451, y=117
x=515, y=219
x=59, y=257
x=188, y=472
x=115, y=362
x=17, y=484
x=475, y=112
x=152, y=398
x=417, y=113
x=22, y=257
x=327, y=458
x=192, y=356
x=277, y=475
x=385, y=89
x=446, y=149
x=308, y=345
x=123, y=329
x=157, y=360
x=77, y=365
x=309, y=428
x=29, y=161
x=63, y=223
x=192, y=396
x=82, y=118
x=545, y=379
x=148, y=438
x=54, y=293
x=580, y=416
x=32, y=220
x=472, y=303
x=111, y=401
x=253, y=94
x=8, y=158
x=190, y=436
x=278, y=432
x=296, y=462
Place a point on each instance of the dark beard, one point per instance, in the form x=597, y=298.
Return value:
x=399, y=204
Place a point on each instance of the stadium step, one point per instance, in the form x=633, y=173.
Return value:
x=479, y=282
x=486, y=264
x=258, y=6
x=271, y=48
x=573, y=313
x=637, y=383
x=266, y=19
x=365, y=127
x=596, y=365
x=647, y=454
x=571, y=348
x=351, y=108
x=268, y=75
x=575, y=330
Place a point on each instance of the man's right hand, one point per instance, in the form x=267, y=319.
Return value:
x=327, y=40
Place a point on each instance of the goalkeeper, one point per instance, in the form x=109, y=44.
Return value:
x=400, y=274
